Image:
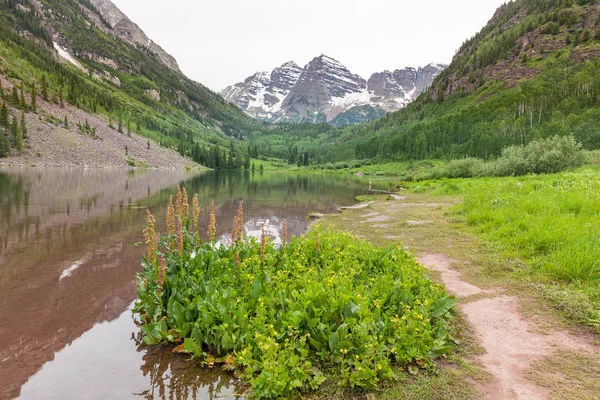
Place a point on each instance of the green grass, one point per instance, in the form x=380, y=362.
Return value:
x=271, y=164
x=395, y=168
x=550, y=224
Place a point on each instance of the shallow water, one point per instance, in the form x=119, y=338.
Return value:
x=67, y=273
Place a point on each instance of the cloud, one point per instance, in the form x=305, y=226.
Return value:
x=222, y=42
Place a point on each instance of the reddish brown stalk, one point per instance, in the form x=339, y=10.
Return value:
x=234, y=231
x=196, y=213
x=178, y=199
x=179, y=235
x=237, y=258
x=284, y=235
x=263, y=241
x=185, y=207
x=240, y=221
x=161, y=274
x=171, y=217
x=150, y=238
x=212, y=223
x=318, y=244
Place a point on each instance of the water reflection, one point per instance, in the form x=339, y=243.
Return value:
x=66, y=262
x=95, y=366
x=67, y=271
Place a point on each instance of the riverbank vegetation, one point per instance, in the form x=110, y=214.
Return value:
x=551, y=155
x=545, y=227
x=325, y=307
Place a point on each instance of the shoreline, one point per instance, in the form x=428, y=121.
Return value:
x=122, y=167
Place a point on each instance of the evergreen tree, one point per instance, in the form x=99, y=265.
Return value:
x=148, y=144
x=66, y=123
x=216, y=157
x=19, y=137
x=126, y=151
x=61, y=97
x=44, y=88
x=14, y=128
x=23, y=102
x=120, y=129
x=247, y=162
x=253, y=166
x=231, y=161
x=138, y=128
x=196, y=153
x=261, y=168
x=1, y=90
x=23, y=126
x=15, y=97
x=110, y=123
x=4, y=116
x=128, y=127
x=33, y=97
x=4, y=146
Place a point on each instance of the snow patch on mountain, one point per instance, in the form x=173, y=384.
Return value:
x=65, y=55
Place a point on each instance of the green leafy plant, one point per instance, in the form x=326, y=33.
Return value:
x=287, y=319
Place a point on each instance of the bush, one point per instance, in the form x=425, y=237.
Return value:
x=546, y=156
x=324, y=305
x=356, y=164
x=552, y=28
x=465, y=168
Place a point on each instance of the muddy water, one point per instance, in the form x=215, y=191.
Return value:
x=67, y=269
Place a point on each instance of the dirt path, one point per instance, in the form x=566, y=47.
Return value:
x=513, y=344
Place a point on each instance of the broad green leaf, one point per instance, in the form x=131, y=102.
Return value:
x=442, y=306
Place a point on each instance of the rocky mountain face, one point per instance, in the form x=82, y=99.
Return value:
x=326, y=91
x=122, y=27
x=262, y=94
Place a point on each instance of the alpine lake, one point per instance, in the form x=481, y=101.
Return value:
x=68, y=265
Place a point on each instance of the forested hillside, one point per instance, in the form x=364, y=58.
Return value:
x=126, y=85
x=532, y=72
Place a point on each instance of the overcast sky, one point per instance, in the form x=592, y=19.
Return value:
x=221, y=42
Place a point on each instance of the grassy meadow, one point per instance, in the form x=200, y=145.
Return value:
x=546, y=227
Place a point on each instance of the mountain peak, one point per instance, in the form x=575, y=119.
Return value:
x=329, y=61
x=289, y=64
x=324, y=89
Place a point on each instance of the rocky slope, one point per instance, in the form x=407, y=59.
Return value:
x=51, y=143
x=326, y=91
x=121, y=26
x=86, y=60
